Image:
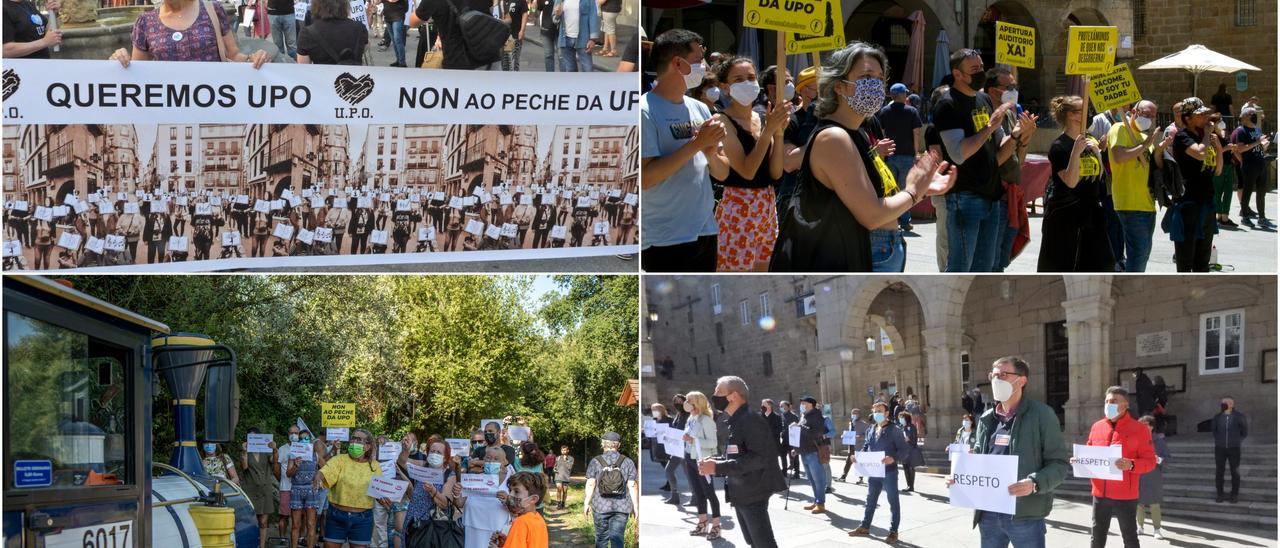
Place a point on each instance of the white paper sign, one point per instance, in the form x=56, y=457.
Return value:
x=178, y=244
x=504, y=199
x=1097, y=462
x=480, y=484
x=204, y=209
x=378, y=237
x=365, y=202
x=300, y=450
x=324, y=235
x=383, y=488
x=673, y=442
x=114, y=242
x=388, y=468
x=69, y=240
x=306, y=236
x=982, y=482
x=437, y=196
x=526, y=199
x=601, y=228
x=584, y=202
x=283, y=231
x=12, y=248
x=557, y=232
x=258, y=443
x=869, y=463
x=337, y=434
x=95, y=245
x=474, y=227
x=82, y=207
x=389, y=451
x=433, y=476
x=629, y=199
x=455, y=202
x=426, y=234
x=849, y=437
x=317, y=202
x=44, y=213
x=106, y=208
x=22, y=205
x=63, y=211
x=793, y=435
x=402, y=205
x=649, y=428
x=131, y=208
x=519, y=433
x=295, y=201
x=494, y=232
x=458, y=446
x=262, y=206
x=509, y=230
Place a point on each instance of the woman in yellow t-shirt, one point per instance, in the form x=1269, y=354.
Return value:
x=347, y=478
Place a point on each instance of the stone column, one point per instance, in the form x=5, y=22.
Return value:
x=1089, y=359
x=942, y=361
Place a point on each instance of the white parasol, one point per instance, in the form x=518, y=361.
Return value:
x=1197, y=59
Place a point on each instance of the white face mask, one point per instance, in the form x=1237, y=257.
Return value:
x=789, y=92
x=1143, y=123
x=695, y=76
x=805, y=408
x=967, y=423
x=1222, y=125
x=745, y=93
x=656, y=414
x=1009, y=96
x=712, y=94
x=1001, y=389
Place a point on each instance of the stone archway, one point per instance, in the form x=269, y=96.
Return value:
x=885, y=23
x=1030, y=81
x=282, y=185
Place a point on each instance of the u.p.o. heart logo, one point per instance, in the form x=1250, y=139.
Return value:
x=352, y=89
x=11, y=82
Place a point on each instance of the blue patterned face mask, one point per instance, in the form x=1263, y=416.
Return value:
x=868, y=95
x=492, y=467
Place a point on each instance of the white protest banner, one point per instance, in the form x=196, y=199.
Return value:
x=982, y=482
x=630, y=199
x=131, y=208
x=849, y=437
x=300, y=450
x=262, y=206
x=21, y=205
x=80, y=207
x=178, y=244
x=69, y=240
x=480, y=484
x=44, y=213
x=275, y=205
x=182, y=201
x=869, y=464
x=114, y=242
x=1098, y=462
x=204, y=209
x=12, y=248
x=456, y=202
x=384, y=488
x=106, y=208
x=584, y=202
x=283, y=231
x=63, y=211
x=558, y=232
x=300, y=10
x=793, y=435
x=230, y=239
x=378, y=237
x=306, y=236
x=474, y=227
x=519, y=433
x=433, y=476
x=459, y=446
x=388, y=468
x=337, y=434
x=402, y=205
x=648, y=428
x=509, y=230
x=955, y=448
x=426, y=234
x=317, y=202
x=601, y=228
x=324, y=235
x=673, y=443
x=389, y=451
x=258, y=443
x=95, y=245
x=526, y=199
x=359, y=13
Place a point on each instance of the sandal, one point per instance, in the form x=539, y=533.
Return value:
x=698, y=529
x=714, y=533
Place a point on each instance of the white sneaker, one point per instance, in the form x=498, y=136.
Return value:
x=1141, y=531
x=1158, y=535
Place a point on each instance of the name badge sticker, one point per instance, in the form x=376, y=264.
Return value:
x=1002, y=440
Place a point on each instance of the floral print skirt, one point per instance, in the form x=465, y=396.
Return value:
x=748, y=223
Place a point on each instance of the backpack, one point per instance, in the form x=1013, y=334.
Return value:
x=611, y=483
x=338, y=59
x=483, y=35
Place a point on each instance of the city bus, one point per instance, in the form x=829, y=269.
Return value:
x=80, y=376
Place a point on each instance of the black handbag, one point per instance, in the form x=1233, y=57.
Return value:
x=439, y=530
x=483, y=35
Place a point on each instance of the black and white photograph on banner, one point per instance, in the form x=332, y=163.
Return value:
x=109, y=195
x=958, y=411
x=285, y=411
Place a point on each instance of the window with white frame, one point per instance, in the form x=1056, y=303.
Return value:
x=744, y=312
x=715, y=299
x=764, y=306
x=1222, y=342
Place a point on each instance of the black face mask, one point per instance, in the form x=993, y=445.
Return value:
x=978, y=80
x=720, y=402
x=1224, y=407
x=490, y=438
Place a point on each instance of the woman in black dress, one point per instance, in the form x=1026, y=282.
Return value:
x=841, y=191
x=1075, y=225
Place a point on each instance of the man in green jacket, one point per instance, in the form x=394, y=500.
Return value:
x=1029, y=430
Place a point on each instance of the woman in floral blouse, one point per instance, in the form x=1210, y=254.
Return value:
x=184, y=30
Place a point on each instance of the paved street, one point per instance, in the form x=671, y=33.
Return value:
x=927, y=519
x=1241, y=250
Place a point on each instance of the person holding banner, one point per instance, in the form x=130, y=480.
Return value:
x=1190, y=222
x=258, y=484
x=964, y=435
x=1021, y=126
x=483, y=512
x=745, y=214
x=856, y=424
x=217, y=464
x=1133, y=145
x=280, y=466
x=186, y=30
x=1119, y=497
x=837, y=204
x=388, y=522
x=1075, y=224
x=883, y=436
x=1029, y=430
x=700, y=443
x=26, y=30
x=812, y=429
x=333, y=38
x=347, y=477
x=428, y=495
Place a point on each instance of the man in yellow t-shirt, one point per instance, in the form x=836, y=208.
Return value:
x=1131, y=146
x=347, y=477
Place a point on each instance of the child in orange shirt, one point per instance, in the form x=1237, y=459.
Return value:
x=528, y=530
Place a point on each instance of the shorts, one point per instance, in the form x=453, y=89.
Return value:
x=285, y=505
x=608, y=22
x=355, y=528
x=305, y=497
x=562, y=482
x=323, y=495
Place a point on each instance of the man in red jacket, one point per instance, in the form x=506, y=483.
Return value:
x=1137, y=457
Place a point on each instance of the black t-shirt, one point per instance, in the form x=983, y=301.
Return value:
x=1091, y=177
x=899, y=121
x=977, y=174
x=455, y=57
x=516, y=9
x=546, y=16
x=395, y=11
x=20, y=25
x=612, y=6
x=800, y=127
x=1197, y=175
x=1222, y=102
x=631, y=53
x=931, y=137
x=1245, y=136
x=347, y=38
x=279, y=7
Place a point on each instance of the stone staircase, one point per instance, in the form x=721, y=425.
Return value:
x=1189, y=490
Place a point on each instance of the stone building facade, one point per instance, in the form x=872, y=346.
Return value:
x=792, y=336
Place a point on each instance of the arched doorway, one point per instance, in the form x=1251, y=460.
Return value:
x=476, y=182
x=1030, y=81
x=67, y=187
x=1080, y=17
x=285, y=183
x=885, y=23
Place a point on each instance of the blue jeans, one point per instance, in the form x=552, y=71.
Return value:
x=1138, y=227
x=817, y=476
x=1004, y=255
x=998, y=530
x=354, y=528
x=973, y=232
x=549, y=40
x=284, y=32
x=574, y=59
x=888, y=251
x=889, y=484
x=397, y=39
x=1115, y=232
x=611, y=527
x=900, y=165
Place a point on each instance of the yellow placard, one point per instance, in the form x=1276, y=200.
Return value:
x=795, y=16
x=831, y=36
x=1089, y=165
x=1015, y=45
x=1091, y=50
x=1113, y=89
x=338, y=415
